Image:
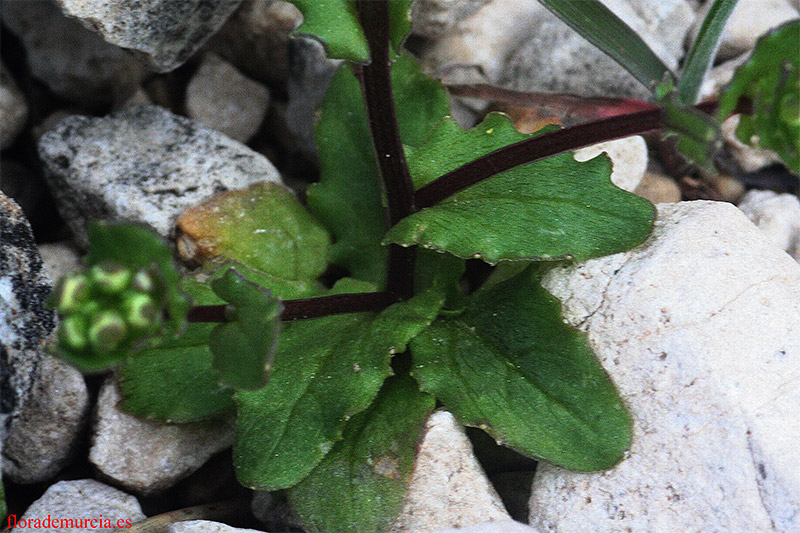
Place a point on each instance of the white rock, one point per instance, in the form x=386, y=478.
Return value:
x=555, y=58
x=628, y=158
x=699, y=328
x=448, y=487
x=25, y=321
x=166, y=32
x=205, y=526
x=225, y=100
x=72, y=61
x=144, y=456
x=499, y=526
x=44, y=437
x=82, y=499
x=749, y=158
x=142, y=165
x=434, y=18
x=777, y=216
x=13, y=109
x=750, y=19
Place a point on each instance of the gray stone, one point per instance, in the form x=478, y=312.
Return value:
x=499, y=526
x=205, y=526
x=59, y=258
x=142, y=165
x=434, y=18
x=749, y=21
x=165, y=32
x=256, y=38
x=72, y=61
x=628, y=159
x=448, y=487
x=82, y=499
x=25, y=323
x=777, y=216
x=147, y=457
x=13, y=109
x=699, y=328
x=310, y=74
x=225, y=100
x=43, y=439
x=555, y=58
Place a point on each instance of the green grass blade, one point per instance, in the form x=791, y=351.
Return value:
x=601, y=27
x=703, y=50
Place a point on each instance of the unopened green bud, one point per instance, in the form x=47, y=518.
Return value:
x=107, y=331
x=143, y=282
x=71, y=293
x=111, y=278
x=140, y=311
x=72, y=332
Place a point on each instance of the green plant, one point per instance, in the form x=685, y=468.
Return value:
x=330, y=386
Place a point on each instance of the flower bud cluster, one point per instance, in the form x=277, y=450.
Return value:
x=107, y=308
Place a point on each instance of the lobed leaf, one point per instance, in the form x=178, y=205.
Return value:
x=771, y=79
x=361, y=483
x=510, y=366
x=348, y=198
x=555, y=208
x=325, y=371
x=244, y=346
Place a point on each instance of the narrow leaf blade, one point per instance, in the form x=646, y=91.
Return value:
x=601, y=27
x=701, y=55
x=361, y=483
x=511, y=367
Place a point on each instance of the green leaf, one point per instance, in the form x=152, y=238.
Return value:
x=335, y=22
x=325, y=371
x=348, y=198
x=399, y=23
x=361, y=483
x=771, y=79
x=701, y=55
x=244, y=346
x=554, y=208
x=698, y=135
x=176, y=381
x=510, y=366
x=262, y=226
x=601, y=27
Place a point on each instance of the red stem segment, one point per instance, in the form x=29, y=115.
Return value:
x=376, y=86
x=308, y=307
x=536, y=148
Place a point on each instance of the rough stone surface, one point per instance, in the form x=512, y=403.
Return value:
x=777, y=216
x=59, y=258
x=72, y=61
x=83, y=499
x=146, y=457
x=166, y=32
x=309, y=77
x=225, y=100
x=142, y=165
x=499, y=526
x=628, y=158
x=256, y=38
x=13, y=109
x=448, y=487
x=434, y=18
x=555, y=58
x=43, y=438
x=750, y=19
x=25, y=323
x=205, y=526
x=699, y=328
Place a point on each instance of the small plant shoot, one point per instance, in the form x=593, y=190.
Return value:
x=330, y=383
